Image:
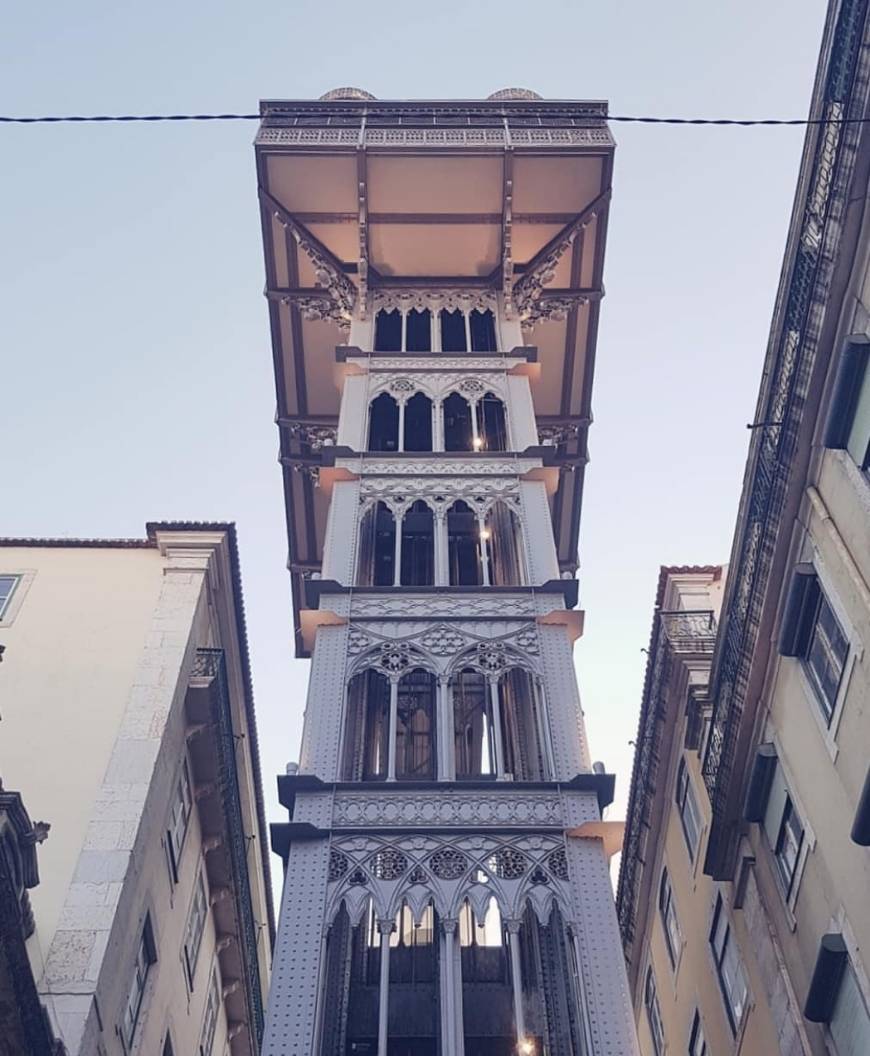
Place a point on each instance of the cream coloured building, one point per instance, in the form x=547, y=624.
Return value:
x=142, y=922
x=771, y=919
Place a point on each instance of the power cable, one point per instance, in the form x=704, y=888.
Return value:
x=623, y=118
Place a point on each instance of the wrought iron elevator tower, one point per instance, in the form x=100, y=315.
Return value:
x=434, y=276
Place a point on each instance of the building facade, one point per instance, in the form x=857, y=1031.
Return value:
x=137, y=909
x=434, y=275
x=783, y=790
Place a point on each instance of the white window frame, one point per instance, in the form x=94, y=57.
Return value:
x=183, y=783
x=654, y=1012
x=829, y=729
x=720, y=912
x=15, y=598
x=197, y=918
x=694, y=853
x=146, y=957
x=809, y=840
x=211, y=1013
x=676, y=940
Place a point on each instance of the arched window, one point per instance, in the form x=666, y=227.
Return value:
x=504, y=547
x=463, y=546
x=384, y=423
x=453, y=335
x=415, y=727
x=472, y=726
x=491, y=423
x=377, y=547
x=418, y=423
x=418, y=331
x=414, y=949
x=388, y=331
x=483, y=331
x=418, y=546
x=458, y=432
x=488, y=1017
x=525, y=735
x=366, y=731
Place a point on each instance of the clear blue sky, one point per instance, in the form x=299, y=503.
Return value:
x=137, y=381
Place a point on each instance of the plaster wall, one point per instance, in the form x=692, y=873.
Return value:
x=71, y=653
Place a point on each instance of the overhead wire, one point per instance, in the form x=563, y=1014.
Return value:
x=46, y=119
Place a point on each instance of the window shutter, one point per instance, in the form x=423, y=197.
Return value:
x=850, y=1020
x=758, y=790
x=776, y=798
x=827, y=976
x=847, y=385
x=798, y=611
x=861, y=824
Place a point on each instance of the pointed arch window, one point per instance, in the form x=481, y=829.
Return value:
x=418, y=334
x=463, y=546
x=367, y=723
x=418, y=423
x=504, y=547
x=377, y=547
x=454, y=337
x=383, y=423
x=418, y=546
x=482, y=327
x=458, y=429
x=415, y=727
x=524, y=726
x=491, y=423
x=388, y=331
x=472, y=725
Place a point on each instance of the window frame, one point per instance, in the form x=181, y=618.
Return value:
x=670, y=921
x=146, y=957
x=726, y=982
x=653, y=1012
x=212, y=1005
x=696, y=1034
x=192, y=943
x=6, y=600
x=183, y=781
x=684, y=793
x=827, y=705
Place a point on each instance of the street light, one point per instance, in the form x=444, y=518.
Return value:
x=526, y=1047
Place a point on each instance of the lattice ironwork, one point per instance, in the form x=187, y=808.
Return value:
x=448, y=864
x=558, y=864
x=781, y=404
x=389, y=864
x=508, y=863
x=338, y=865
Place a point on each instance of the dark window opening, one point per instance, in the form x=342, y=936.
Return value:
x=482, y=331
x=453, y=336
x=418, y=332
x=388, y=331
x=418, y=423
x=463, y=547
x=458, y=433
x=415, y=727
x=377, y=547
x=504, y=547
x=491, y=424
x=414, y=949
x=418, y=546
x=384, y=424
x=367, y=727
x=523, y=725
x=472, y=726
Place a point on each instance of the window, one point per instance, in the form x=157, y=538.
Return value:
x=179, y=815
x=732, y=981
x=195, y=926
x=418, y=331
x=826, y=656
x=697, y=1042
x=654, y=1015
x=453, y=334
x=850, y=1020
x=848, y=424
x=811, y=632
x=145, y=957
x=482, y=327
x=668, y=910
x=167, y=1047
x=212, y=1008
x=388, y=331
x=690, y=815
x=7, y=589
x=782, y=824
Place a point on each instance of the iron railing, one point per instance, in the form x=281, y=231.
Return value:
x=210, y=663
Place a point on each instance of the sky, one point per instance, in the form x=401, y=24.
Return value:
x=136, y=380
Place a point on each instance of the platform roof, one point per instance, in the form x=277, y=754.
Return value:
x=358, y=195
